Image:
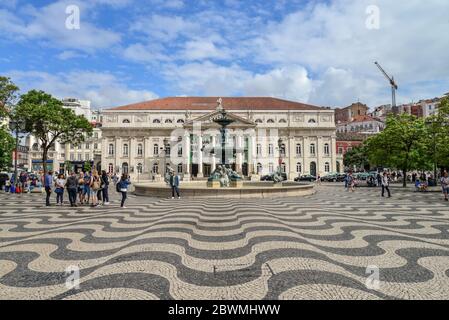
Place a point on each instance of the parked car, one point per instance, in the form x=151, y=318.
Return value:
x=306, y=177
x=270, y=177
x=333, y=177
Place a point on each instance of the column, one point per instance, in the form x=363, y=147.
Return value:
x=320, y=156
x=305, y=150
x=291, y=159
x=333, y=150
x=214, y=157
x=147, y=155
x=186, y=156
x=118, y=153
x=132, y=156
x=239, y=156
x=200, y=156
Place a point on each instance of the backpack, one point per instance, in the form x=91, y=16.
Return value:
x=118, y=186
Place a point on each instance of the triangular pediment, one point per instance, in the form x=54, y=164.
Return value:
x=206, y=121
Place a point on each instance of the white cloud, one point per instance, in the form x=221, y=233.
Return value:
x=48, y=25
x=68, y=54
x=103, y=89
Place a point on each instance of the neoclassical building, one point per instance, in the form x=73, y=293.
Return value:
x=142, y=139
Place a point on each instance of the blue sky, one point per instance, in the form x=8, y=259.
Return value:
x=320, y=52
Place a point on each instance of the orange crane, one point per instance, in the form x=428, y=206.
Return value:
x=393, y=85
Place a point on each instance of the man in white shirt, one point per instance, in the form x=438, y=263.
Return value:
x=386, y=185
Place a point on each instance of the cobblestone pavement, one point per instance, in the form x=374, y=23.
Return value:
x=316, y=247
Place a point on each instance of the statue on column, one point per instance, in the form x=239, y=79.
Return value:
x=219, y=104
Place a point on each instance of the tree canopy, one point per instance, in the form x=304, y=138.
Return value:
x=47, y=120
x=8, y=96
x=401, y=145
x=357, y=157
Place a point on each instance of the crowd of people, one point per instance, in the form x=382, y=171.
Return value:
x=84, y=188
x=383, y=180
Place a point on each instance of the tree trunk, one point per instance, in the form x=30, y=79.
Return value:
x=404, y=178
x=44, y=159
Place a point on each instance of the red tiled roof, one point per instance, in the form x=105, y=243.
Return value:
x=210, y=103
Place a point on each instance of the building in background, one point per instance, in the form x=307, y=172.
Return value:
x=344, y=115
x=139, y=139
x=361, y=124
x=346, y=142
x=22, y=155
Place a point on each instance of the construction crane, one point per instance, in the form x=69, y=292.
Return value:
x=394, y=87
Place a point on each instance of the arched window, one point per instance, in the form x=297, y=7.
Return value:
x=156, y=149
x=270, y=121
x=126, y=121
x=36, y=147
x=298, y=167
x=312, y=121
x=180, y=121
x=139, y=168
x=139, y=150
x=156, y=121
x=282, y=121
x=326, y=149
x=180, y=168
x=283, y=167
x=110, y=168
x=168, y=121
x=155, y=168
x=259, y=149
x=125, y=149
x=327, y=167
x=125, y=168
x=259, y=168
x=298, y=149
x=312, y=149
x=111, y=149
x=270, y=149
x=259, y=121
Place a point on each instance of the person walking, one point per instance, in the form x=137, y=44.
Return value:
x=386, y=185
x=95, y=186
x=351, y=182
x=59, y=189
x=174, y=183
x=445, y=185
x=115, y=179
x=105, y=187
x=72, y=188
x=48, y=183
x=81, y=188
x=123, y=185
x=86, y=190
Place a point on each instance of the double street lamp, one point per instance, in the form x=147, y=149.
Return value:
x=16, y=126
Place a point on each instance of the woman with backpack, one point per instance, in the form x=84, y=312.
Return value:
x=59, y=190
x=122, y=187
x=95, y=186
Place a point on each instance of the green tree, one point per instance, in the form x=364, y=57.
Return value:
x=438, y=135
x=6, y=148
x=8, y=97
x=47, y=120
x=357, y=157
x=87, y=166
x=401, y=145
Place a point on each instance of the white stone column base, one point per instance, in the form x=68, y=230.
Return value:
x=186, y=177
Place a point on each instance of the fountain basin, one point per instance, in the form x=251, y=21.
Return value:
x=249, y=190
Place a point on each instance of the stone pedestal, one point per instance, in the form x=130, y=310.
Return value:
x=237, y=184
x=158, y=178
x=255, y=178
x=214, y=184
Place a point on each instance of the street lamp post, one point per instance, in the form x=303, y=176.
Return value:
x=17, y=127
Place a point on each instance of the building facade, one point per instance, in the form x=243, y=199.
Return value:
x=267, y=133
x=361, y=124
x=344, y=115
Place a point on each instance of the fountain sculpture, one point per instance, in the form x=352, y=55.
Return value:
x=223, y=176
